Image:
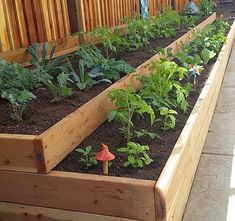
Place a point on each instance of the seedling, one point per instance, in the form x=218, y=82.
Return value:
x=137, y=156
x=169, y=120
x=88, y=156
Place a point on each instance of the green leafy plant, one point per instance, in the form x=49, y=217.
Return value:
x=111, y=39
x=60, y=89
x=45, y=67
x=166, y=55
x=169, y=120
x=143, y=132
x=127, y=103
x=206, y=7
x=84, y=80
x=88, y=156
x=111, y=69
x=165, y=24
x=158, y=88
x=15, y=85
x=207, y=55
x=181, y=93
x=140, y=31
x=19, y=101
x=137, y=156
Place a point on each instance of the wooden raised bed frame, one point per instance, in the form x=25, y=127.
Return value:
x=40, y=154
x=75, y=196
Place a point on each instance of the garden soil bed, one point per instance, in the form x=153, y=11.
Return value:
x=41, y=114
x=160, y=149
x=117, y=198
x=41, y=153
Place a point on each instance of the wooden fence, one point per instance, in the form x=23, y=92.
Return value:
x=23, y=22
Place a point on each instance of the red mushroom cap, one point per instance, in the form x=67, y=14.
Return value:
x=104, y=154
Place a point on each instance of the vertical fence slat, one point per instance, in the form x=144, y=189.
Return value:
x=12, y=24
x=5, y=43
x=21, y=22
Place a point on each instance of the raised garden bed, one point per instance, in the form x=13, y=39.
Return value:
x=134, y=199
x=43, y=152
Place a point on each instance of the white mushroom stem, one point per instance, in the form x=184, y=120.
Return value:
x=106, y=167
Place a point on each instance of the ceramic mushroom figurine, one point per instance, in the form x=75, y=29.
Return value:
x=105, y=156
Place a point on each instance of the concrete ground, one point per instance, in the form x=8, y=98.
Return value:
x=212, y=197
x=228, y=10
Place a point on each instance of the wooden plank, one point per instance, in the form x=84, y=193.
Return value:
x=17, y=153
x=39, y=22
x=45, y=12
x=30, y=22
x=20, y=212
x=5, y=42
x=21, y=23
x=182, y=164
x=53, y=19
x=12, y=24
x=64, y=5
x=60, y=19
x=109, y=196
x=81, y=123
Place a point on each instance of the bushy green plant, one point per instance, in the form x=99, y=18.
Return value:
x=206, y=7
x=165, y=24
x=111, y=39
x=19, y=101
x=45, y=67
x=59, y=88
x=159, y=88
x=140, y=31
x=137, y=156
x=127, y=103
x=111, y=69
x=16, y=83
x=87, y=156
x=169, y=119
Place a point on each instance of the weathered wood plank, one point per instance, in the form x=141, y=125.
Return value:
x=20, y=212
x=17, y=153
x=110, y=196
x=181, y=166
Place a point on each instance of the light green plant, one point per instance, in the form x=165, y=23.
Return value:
x=169, y=120
x=88, y=156
x=127, y=103
x=137, y=156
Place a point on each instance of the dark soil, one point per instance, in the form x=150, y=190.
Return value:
x=41, y=114
x=160, y=149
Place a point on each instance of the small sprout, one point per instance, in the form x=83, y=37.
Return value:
x=88, y=156
x=137, y=156
x=105, y=156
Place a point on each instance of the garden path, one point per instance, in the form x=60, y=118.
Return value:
x=212, y=197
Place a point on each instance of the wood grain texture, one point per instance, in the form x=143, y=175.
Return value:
x=17, y=153
x=20, y=212
x=24, y=22
x=110, y=196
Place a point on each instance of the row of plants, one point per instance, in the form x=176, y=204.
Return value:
x=162, y=96
x=61, y=77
